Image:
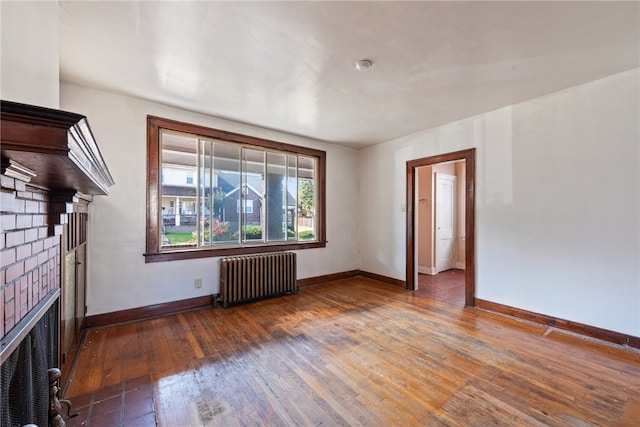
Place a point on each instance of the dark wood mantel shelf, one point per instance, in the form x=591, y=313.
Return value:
x=52, y=149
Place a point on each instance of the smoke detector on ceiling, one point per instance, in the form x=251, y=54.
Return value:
x=364, y=65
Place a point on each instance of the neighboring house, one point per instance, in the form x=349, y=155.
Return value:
x=251, y=207
x=178, y=205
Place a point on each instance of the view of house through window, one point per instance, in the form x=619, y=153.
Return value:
x=222, y=193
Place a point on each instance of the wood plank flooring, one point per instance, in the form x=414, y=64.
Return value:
x=446, y=286
x=357, y=352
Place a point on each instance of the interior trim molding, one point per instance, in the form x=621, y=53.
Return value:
x=147, y=311
x=384, y=279
x=431, y=271
x=310, y=281
x=318, y=280
x=567, y=325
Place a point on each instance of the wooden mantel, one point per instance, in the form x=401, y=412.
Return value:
x=52, y=149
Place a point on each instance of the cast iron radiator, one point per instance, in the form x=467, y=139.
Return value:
x=251, y=277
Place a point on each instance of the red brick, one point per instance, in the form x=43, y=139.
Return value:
x=9, y=303
x=18, y=206
x=14, y=271
x=9, y=323
x=24, y=309
x=24, y=297
x=30, y=285
x=43, y=257
x=32, y=206
x=7, y=201
x=31, y=235
x=23, y=251
x=8, y=222
x=7, y=182
x=39, y=196
x=1, y=311
x=7, y=257
x=35, y=290
x=37, y=246
x=44, y=282
x=25, y=195
x=23, y=221
x=30, y=263
x=51, y=241
x=14, y=238
x=43, y=232
x=38, y=220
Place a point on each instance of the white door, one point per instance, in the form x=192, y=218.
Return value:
x=445, y=221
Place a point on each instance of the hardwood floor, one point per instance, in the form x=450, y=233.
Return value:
x=446, y=286
x=358, y=352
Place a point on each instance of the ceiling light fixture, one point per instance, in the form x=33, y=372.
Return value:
x=364, y=65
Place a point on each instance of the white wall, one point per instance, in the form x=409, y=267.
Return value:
x=30, y=53
x=558, y=202
x=118, y=277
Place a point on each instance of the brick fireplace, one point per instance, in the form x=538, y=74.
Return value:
x=51, y=168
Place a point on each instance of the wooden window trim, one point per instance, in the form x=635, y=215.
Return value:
x=153, y=252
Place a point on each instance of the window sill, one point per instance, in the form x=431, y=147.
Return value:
x=181, y=254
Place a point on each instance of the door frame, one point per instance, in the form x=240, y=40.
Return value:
x=469, y=156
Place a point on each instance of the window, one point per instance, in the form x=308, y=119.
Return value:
x=248, y=207
x=242, y=194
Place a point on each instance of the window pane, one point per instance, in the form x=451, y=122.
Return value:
x=292, y=197
x=204, y=190
x=276, y=197
x=306, y=198
x=179, y=197
x=251, y=193
x=225, y=221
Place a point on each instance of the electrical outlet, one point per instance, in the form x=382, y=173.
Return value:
x=197, y=283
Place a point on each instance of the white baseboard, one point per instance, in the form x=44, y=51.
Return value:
x=427, y=270
x=460, y=265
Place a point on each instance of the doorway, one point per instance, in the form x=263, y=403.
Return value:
x=445, y=229
x=469, y=225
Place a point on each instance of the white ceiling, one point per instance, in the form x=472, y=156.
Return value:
x=289, y=66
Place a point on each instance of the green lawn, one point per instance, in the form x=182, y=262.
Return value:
x=177, y=238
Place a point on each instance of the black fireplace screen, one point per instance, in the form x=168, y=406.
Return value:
x=24, y=380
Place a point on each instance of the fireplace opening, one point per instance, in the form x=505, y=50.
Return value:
x=24, y=381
